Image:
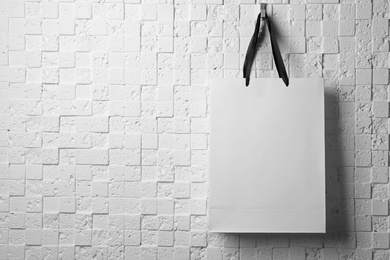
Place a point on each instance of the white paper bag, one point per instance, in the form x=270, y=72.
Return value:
x=267, y=156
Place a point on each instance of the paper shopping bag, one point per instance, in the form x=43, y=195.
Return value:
x=267, y=156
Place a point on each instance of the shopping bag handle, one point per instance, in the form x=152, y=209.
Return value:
x=252, y=48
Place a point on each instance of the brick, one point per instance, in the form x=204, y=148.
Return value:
x=297, y=12
x=380, y=158
x=380, y=240
x=380, y=207
x=329, y=253
x=363, y=254
x=313, y=28
x=33, y=237
x=363, y=142
x=363, y=223
x=363, y=207
x=182, y=190
x=380, y=142
x=198, y=207
x=363, y=76
x=381, y=76
x=132, y=238
x=364, y=240
x=149, y=141
x=380, y=174
x=67, y=205
x=347, y=27
x=381, y=109
x=49, y=237
x=363, y=190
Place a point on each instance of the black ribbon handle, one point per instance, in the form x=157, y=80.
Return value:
x=252, y=48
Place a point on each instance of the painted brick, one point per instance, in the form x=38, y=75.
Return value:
x=380, y=207
x=381, y=240
x=110, y=104
x=380, y=174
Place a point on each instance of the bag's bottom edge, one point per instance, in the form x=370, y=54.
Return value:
x=267, y=232
x=267, y=220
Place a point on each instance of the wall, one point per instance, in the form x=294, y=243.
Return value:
x=104, y=125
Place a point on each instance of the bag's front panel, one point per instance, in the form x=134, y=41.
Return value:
x=267, y=156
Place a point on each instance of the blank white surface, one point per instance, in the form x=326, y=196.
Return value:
x=267, y=168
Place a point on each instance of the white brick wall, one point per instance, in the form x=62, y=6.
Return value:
x=104, y=125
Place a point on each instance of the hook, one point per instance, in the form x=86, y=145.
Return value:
x=262, y=9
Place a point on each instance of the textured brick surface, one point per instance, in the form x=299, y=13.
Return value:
x=104, y=125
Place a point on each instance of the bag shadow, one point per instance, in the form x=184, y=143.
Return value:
x=340, y=224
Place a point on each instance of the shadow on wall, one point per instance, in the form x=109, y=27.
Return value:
x=340, y=226
x=340, y=223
